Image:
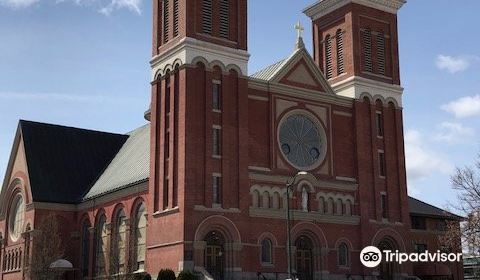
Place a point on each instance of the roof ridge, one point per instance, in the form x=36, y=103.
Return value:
x=22, y=121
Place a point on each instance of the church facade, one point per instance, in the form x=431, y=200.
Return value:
x=203, y=185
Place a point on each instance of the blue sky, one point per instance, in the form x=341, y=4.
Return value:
x=84, y=63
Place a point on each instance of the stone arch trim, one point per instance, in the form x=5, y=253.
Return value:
x=367, y=95
x=305, y=183
x=267, y=235
x=389, y=233
x=217, y=222
x=311, y=230
x=344, y=240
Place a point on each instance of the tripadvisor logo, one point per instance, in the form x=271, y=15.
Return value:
x=371, y=256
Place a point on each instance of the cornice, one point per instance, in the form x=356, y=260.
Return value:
x=308, y=94
x=304, y=216
x=324, y=7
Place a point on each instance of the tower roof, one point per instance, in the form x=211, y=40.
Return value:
x=323, y=7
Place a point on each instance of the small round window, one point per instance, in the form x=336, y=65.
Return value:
x=302, y=141
x=17, y=214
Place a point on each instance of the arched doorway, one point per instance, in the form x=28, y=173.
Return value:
x=215, y=254
x=388, y=270
x=304, y=258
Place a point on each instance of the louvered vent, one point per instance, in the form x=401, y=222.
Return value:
x=340, y=56
x=381, y=53
x=224, y=19
x=166, y=21
x=207, y=16
x=328, y=57
x=367, y=49
x=175, y=18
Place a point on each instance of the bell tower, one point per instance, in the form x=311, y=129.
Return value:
x=356, y=46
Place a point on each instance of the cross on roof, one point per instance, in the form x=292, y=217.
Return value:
x=298, y=26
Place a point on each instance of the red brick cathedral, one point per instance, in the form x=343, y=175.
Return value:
x=203, y=185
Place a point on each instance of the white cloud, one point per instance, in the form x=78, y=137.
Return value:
x=17, y=4
x=454, y=64
x=463, y=107
x=452, y=132
x=422, y=162
x=132, y=5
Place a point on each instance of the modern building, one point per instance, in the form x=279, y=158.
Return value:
x=202, y=186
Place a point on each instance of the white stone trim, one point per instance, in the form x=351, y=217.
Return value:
x=325, y=7
x=299, y=215
x=259, y=98
x=188, y=50
x=258, y=168
x=355, y=87
x=341, y=113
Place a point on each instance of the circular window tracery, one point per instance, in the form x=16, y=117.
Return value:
x=302, y=141
x=16, y=217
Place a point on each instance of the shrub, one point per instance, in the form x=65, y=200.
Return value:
x=187, y=275
x=140, y=276
x=166, y=274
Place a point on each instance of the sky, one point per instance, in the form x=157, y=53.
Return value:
x=85, y=63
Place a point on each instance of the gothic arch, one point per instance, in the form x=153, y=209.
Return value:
x=221, y=224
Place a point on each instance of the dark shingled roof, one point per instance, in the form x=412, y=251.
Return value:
x=420, y=208
x=64, y=162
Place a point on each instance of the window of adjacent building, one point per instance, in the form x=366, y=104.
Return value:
x=340, y=53
x=207, y=16
x=328, y=57
x=381, y=53
x=216, y=96
x=224, y=19
x=117, y=261
x=420, y=248
x=216, y=139
x=379, y=123
x=101, y=236
x=267, y=251
x=16, y=217
x=175, y=17
x=343, y=254
x=140, y=232
x=441, y=225
x=85, y=247
x=381, y=162
x=216, y=189
x=418, y=223
x=166, y=21
x=367, y=49
x=384, y=205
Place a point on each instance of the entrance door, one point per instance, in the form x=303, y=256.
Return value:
x=304, y=258
x=388, y=269
x=215, y=255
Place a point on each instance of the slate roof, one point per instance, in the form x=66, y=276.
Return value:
x=130, y=165
x=268, y=72
x=64, y=162
x=421, y=208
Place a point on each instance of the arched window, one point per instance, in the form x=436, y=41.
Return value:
x=348, y=207
x=343, y=258
x=330, y=206
x=367, y=49
x=321, y=205
x=101, y=236
x=119, y=243
x=85, y=247
x=339, y=206
x=276, y=200
x=140, y=237
x=265, y=200
x=224, y=19
x=381, y=53
x=340, y=56
x=328, y=57
x=166, y=21
x=267, y=251
x=175, y=17
x=255, y=198
x=207, y=16
x=17, y=213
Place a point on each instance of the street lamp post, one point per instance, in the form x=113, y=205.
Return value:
x=290, y=184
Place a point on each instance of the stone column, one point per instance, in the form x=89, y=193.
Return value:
x=108, y=248
x=128, y=249
x=91, y=253
x=199, y=253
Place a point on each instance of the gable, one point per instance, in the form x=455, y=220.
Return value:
x=301, y=76
x=301, y=71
